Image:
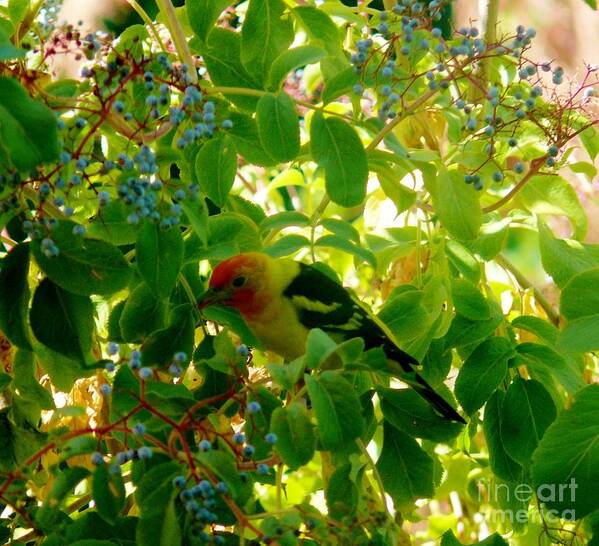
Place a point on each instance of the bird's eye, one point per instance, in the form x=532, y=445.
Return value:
x=238, y=282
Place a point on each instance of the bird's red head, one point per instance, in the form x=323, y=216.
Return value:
x=238, y=282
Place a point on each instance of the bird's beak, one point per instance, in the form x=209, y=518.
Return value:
x=212, y=296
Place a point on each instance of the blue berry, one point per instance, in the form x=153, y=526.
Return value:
x=520, y=114
x=110, y=367
x=253, y=407
x=221, y=487
x=113, y=348
x=180, y=195
x=553, y=151
x=97, y=458
x=79, y=230
x=519, y=167
x=121, y=457
x=262, y=469
x=512, y=142
x=550, y=162
x=387, y=72
x=179, y=482
x=239, y=438
x=497, y=176
x=65, y=157
x=271, y=438
x=205, y=445
x=105, y=389
x=175, y=370
x=80, y=123
x=144, y=452
x=248, y=450
x=180, y=357
x=139, y=429
x=103, y=198
x=145, y=373
x=227, y=124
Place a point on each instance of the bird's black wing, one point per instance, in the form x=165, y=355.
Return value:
x=321, y=302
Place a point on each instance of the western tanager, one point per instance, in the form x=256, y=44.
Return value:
x=281, y=300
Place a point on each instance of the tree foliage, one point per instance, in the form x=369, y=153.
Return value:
x=427, y=166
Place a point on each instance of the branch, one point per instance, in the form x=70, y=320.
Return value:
x=167, y=8
x=552, y=314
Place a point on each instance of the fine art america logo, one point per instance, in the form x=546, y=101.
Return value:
x=564, y=494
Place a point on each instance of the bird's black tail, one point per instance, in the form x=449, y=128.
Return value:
x=417, y=382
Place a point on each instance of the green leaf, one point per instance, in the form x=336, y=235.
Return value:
x=337, y=148
x=340, y=84
x=63, y=371
x=337, y=409
x=580, y=335
x=482, y=372
x=542, y=358
x=21, y=117
x=535, y=325
x=197, y=216
x=405, y=315
x=266, y=33
x=108, y=491
x=449, y=539
x=282, y=220
x=591, y=3
x=491, y=239
x=527, y=411
x=111, y=224
x=464, y=331
x=221, y=53
x=469, y=301
x=202, y=14
x=14, y=296
x=62, y=321
x=17, y=9
x=456, y=204
x=289, y=244
x=580, y=305
x=245, y=135
x=296, y=439
x=564, y=258
x=319, y=346
x=216, y=167
x=230, y=317
x=278, y=126
x=159, y=348
x=8, y=51
x=65, y=482
x=292, y=59
x=29, y=397
x=341, y=243
x=143, y=314
x=405, y=468
x=84, y=266
x=406, y=410
x=342, y=493
x=224, y=467
x=159, y=255
x=5, y=381
x=320, y=28
x=566, y=463
x=553, y=195
x=502, y=465
x=125, y=391
x=155, y=496
x=580, y=296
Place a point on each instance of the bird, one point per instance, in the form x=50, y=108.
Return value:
x=281, y=300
